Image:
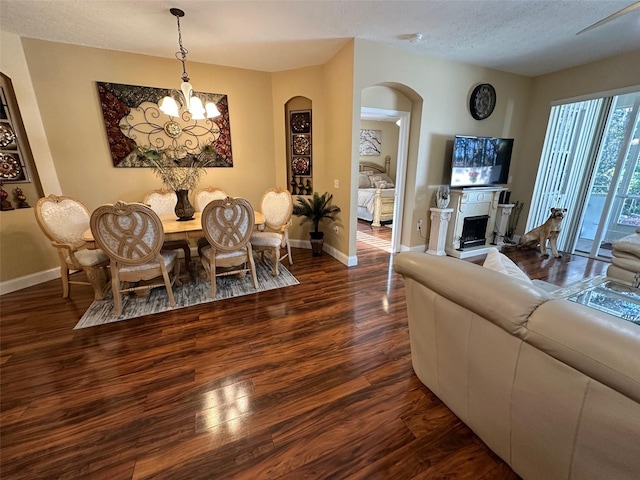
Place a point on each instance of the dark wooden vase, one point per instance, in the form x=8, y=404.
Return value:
x=184, y=210
x=317, y=242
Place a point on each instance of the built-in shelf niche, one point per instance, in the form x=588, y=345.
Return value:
x=17, y=167
x=299, y=146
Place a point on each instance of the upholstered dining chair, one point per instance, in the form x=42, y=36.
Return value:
x=163, y=202
x=203, y=196
x=227, y=225
x=131, y=235
x=276, y=206
x=63, y=220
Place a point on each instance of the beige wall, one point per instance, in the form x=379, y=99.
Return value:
x=439, y=90
x=596, y=79
x=24, y=249
x=339, y=123
x=64, y=78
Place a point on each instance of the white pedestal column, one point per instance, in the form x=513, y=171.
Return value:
x=502, y=221
x=438, y=235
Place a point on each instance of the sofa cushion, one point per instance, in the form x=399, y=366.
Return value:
x=501, y=263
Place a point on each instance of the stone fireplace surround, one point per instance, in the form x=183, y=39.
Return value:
x=472, y=202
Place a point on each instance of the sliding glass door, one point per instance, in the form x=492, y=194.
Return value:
x=589, y=165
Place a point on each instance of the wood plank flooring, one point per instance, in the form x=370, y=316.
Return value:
x=309, y=381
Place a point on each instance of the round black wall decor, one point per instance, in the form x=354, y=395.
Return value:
x=482, y=101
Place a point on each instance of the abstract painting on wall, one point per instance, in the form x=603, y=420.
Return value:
x=134, y=123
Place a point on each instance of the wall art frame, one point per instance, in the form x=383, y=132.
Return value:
x=370, y=142
x=133, y=122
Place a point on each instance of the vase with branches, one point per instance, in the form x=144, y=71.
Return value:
x=179, y=172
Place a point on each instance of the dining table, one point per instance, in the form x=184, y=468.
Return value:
x=175, y=229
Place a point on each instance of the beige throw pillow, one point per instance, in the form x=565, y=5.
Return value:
x=501, y=263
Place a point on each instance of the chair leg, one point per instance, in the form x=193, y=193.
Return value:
x=95, y=277
x=252, y=267
x=64, y=277
x=187, y=258
x=289, y=253
x=212, y=274
x=115, y=288
x=167, y=281
x=276, y=260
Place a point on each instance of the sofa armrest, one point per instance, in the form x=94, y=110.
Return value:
x=503, y=300
x=601, y=346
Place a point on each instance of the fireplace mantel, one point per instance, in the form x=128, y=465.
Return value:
x=472, y=202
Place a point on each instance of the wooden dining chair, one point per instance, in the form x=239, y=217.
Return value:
x=131, y=235
x=63, y=220
x=203, y=196
x=163, y=202
x=276, y=205
x=227, y=225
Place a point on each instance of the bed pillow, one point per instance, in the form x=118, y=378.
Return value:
x=363, y=181
x=380, y=177
x=501, y=263
x=383, y=184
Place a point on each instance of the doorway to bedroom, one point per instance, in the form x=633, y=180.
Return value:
x=382, y=163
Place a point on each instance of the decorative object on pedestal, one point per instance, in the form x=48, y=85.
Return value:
x=439, y=223
x=184, y=210
x=21, y=198
x=314, y=210
x=442, y=196
x=308, y=188
x=6, y=204
x=301, y=190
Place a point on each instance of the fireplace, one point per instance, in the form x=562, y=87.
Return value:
x=474, y=231
x=473, y=220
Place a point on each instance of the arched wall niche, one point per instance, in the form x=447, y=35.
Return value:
x=299, y=142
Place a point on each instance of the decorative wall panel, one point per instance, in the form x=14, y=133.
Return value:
x=133, y=120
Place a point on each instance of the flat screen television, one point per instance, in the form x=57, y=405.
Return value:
x=480, y=161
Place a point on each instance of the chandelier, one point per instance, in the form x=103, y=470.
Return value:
x=193, y=102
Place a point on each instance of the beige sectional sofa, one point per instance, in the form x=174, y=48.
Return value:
x=625, y=263
x=550, y=386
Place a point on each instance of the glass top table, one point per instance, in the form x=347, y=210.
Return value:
x=617, y=299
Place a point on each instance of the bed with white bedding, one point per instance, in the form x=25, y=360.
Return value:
x=376, y=193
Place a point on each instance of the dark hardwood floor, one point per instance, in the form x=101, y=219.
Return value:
x=308, y=381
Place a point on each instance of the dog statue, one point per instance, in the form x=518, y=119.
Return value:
x=549, y=230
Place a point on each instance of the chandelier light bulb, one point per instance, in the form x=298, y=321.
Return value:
x=192, y=103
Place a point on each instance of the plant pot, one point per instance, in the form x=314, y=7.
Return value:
x=184, y=210
x=317, y=242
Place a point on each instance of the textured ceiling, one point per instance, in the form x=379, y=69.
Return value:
x=527, y=37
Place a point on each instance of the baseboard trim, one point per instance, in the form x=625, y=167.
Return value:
x=334, y=252
x=29, y=280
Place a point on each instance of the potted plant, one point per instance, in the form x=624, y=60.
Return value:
x=313, y=210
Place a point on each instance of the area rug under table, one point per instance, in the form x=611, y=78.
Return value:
x=193, y=292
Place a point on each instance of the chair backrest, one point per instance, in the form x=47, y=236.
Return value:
x=276, y=205
x=163, y=201
x=63, y=219
x=129, y=233
x=227, y=224
x=203, y=196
